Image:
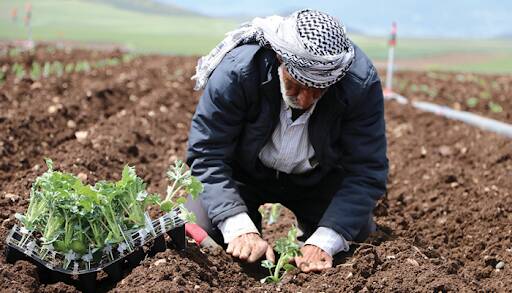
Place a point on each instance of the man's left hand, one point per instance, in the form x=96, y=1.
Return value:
x=313, y=259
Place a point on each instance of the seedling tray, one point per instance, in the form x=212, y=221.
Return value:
x=112, y=259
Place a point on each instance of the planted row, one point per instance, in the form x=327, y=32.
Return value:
x=44, y=70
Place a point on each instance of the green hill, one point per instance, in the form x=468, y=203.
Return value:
x=135, y=24
x=148, y=6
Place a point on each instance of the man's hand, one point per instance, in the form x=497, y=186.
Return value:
x=313, y=259
x=250, y=247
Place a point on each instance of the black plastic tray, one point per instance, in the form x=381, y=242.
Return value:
x=79, y=272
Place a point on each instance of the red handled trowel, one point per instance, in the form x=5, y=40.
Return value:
x=200, y=236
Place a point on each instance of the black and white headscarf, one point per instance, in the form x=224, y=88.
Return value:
x=313, y=46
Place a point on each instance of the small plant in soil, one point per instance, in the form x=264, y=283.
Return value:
x=36, y=71
x=127, y=57
x=495, y=107
x=58, y=68
x=18, y=70
x=69, y=68
x=472, y=102
x=287, y=248
x=47, y=69
x=270, y=214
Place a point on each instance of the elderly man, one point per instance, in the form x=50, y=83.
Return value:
x=292, y=113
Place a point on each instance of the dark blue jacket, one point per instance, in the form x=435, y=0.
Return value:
x=239, y=110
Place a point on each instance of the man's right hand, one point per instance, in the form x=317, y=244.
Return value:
x=250, y=247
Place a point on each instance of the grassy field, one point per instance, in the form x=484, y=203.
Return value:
x=182, y=32
x=91, y=21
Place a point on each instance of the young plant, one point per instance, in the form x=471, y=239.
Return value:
x=58, y=68
x=82, y=66
x=472, y=102
x=112, y=61
x=35, y=72
x=69, y=68
x=73, y=217
x=133, y=197
x=287, y=248
x=495, y=107
x=275, y=212
x=127, y=57
x=18, y=70
x=47, y=69
x=182, y=181
x=270, y=214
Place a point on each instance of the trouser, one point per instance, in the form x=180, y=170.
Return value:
x=307, y=203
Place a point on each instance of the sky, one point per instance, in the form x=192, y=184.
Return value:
x=434, y=18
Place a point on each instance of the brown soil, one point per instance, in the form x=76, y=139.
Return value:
x=445, y=222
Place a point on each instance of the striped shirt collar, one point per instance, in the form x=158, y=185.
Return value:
x=303, y=119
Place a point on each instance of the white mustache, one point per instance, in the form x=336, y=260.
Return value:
x=291, y=101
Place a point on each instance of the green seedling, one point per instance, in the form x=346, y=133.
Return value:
x=47, y=69
x=18, y=70
x=270, y=214
x=36, y=71
x=287, y=248
x=127, y=57
x=57, y=68
x=72, y=216
x=275, y=212
x=495, y=108
x=82, y=66
x=472, y=102
x=69, y=68
x=112, y=62
x=182, y=181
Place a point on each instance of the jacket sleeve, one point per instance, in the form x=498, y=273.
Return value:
x=364, y=163
x=214, y=130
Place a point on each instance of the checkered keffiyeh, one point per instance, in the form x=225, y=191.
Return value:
x=313, y=46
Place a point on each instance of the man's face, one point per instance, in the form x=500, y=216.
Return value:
x=295, y=94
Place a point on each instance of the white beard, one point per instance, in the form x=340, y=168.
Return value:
x=291, y=101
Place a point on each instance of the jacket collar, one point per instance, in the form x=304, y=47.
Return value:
x=328, y=108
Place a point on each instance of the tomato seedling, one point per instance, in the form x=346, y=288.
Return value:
x=287, y=248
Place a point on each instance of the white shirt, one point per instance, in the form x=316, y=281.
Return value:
x=289, y=150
